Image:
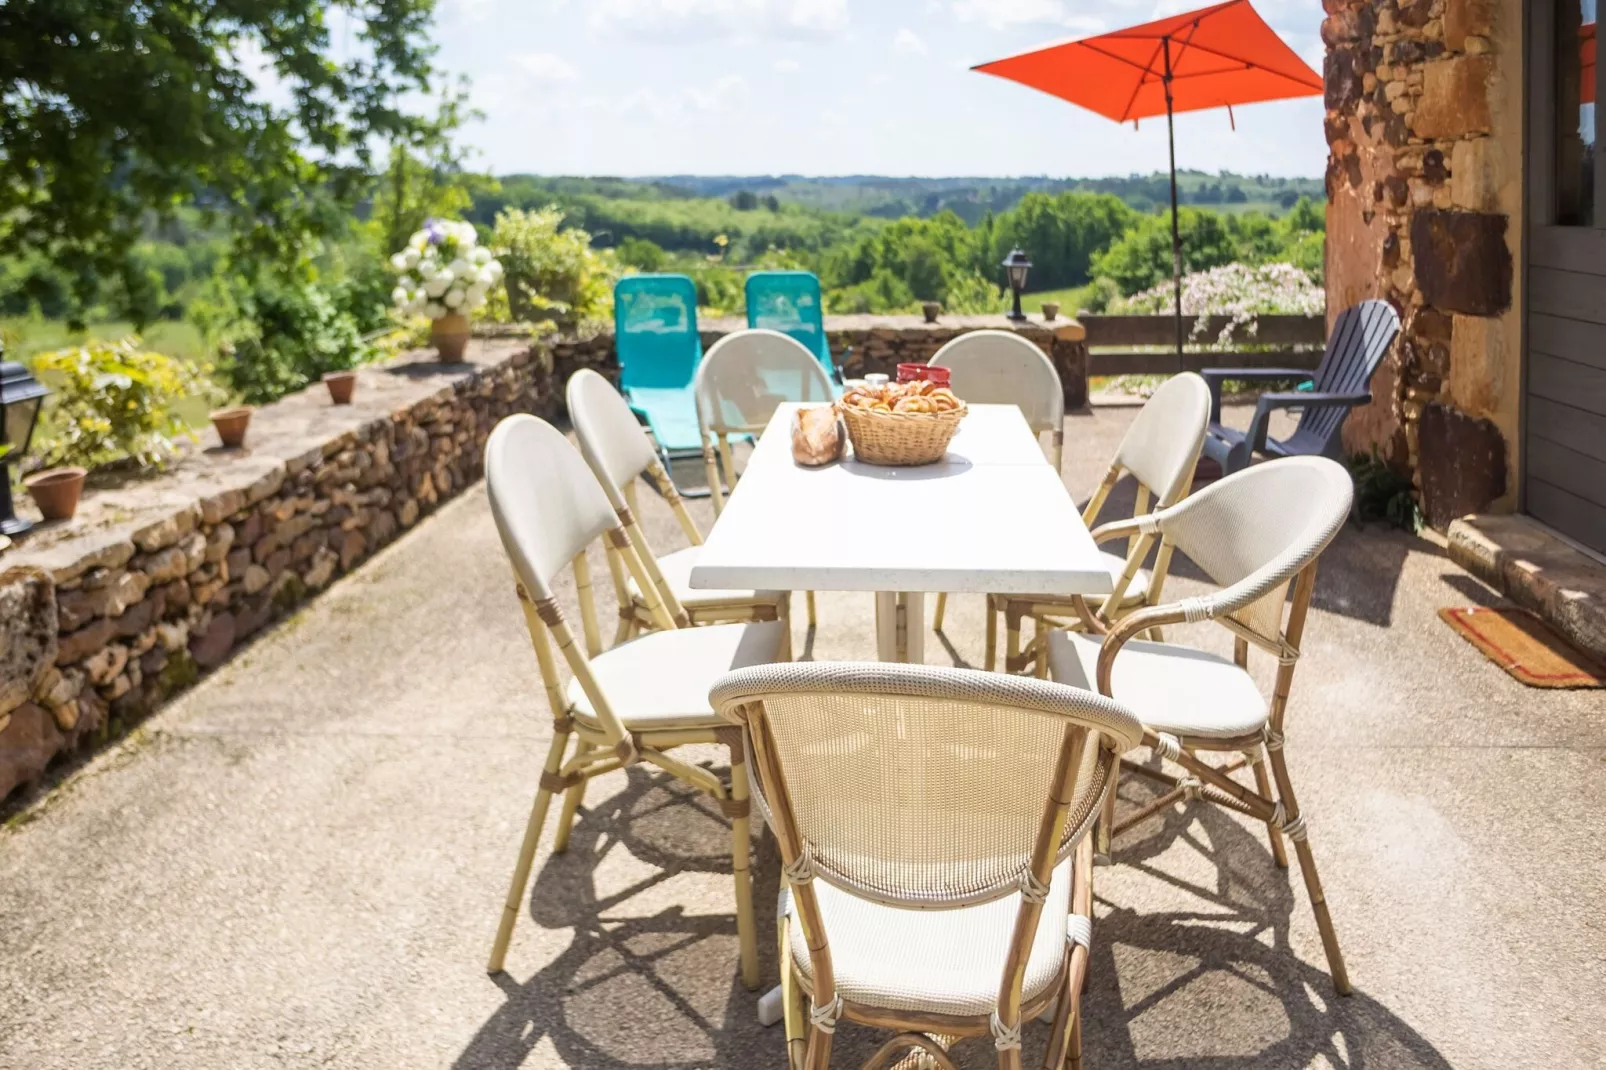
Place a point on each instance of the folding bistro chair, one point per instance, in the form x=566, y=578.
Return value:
x=621, y=453
x=1253, y=533
x=634, y=703
x=1361, y=338
x=790, y=302
x=933, y=833
x=658, y=347
x=1002, y=368
x=1160, y=451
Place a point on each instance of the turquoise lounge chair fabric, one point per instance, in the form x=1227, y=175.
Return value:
x=790, y=302
x=655, y=335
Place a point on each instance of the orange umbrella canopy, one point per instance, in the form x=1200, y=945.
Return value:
x=1221, y=55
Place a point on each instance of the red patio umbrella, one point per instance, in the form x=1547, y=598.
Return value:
x=1214, y=57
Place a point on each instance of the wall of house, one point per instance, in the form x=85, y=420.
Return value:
x=1425, y=181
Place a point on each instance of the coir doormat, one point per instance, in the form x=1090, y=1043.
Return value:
x=1525, y=646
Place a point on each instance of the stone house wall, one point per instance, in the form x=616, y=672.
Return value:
x=157, y=581
x=1425, y=131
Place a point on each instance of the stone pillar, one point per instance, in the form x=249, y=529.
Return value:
x=1424, y=128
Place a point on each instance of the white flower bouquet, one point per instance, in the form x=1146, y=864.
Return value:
x=443, y=271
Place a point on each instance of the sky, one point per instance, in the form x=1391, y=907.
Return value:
x=830, y=87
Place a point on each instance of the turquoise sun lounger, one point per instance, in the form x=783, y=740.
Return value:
x=655, y=335
x=790, y=302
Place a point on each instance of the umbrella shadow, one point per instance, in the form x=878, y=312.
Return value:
x=1218, y=984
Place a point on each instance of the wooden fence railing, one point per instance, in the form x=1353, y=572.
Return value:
x=1146, y=345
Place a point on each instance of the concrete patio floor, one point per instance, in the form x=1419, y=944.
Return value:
x=301, y=862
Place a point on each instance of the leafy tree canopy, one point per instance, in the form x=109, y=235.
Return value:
x=116, y=111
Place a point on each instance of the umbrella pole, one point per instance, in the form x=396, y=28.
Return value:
x=1176, y=238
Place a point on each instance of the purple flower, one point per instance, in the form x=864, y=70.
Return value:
x=434, y=232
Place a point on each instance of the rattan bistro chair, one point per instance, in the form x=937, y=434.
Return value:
x=742, y=380
x=633, y=703
x=1002, y=368
x=1254, y=534
x=621, y=452
x=1160, y=451
x=933, y=827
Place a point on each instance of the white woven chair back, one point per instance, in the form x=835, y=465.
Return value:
x=1255, y=530
x=615, y=444
x=745, y=376
x=546, y=503
x=1002, y=368
x=1161, y=448
x=922, y=786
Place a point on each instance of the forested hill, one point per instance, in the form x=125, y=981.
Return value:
x=968, y=197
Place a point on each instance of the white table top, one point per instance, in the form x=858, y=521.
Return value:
x=991, y=517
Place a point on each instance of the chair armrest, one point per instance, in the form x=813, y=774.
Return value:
x=1214, y=377
x=1124, y=529
x=1312, y=400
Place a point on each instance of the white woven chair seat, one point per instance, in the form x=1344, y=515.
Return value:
x=933, y=961
x=677, y=567
x=1171, y=688
x=660, y=680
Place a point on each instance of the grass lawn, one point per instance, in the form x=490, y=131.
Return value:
x=1070, y=299
x=24, y=336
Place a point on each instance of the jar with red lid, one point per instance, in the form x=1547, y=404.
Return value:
x=938, y=375
x=911, y=373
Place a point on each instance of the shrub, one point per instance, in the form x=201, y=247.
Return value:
x=290, y=335
x=1381, y=493
x=551, y=273
x=113, y=400
x=1235, y=290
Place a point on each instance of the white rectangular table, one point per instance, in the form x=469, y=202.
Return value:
x=992, y=517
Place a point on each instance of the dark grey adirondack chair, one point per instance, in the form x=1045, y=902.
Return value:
x=1354, y=350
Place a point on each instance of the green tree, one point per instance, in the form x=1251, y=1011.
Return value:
x=1142, y=257
x=1061, y=233
x=115, y=111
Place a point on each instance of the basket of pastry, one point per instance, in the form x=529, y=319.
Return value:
x=904, y=423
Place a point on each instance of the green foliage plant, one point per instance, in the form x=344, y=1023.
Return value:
x=286, y=335
x=552, y=273
x=112, y=400
x=1383, y=494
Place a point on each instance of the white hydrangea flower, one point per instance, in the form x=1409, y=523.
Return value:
x=438, y=285
x=434, y=311
x=460, y=268
x=495, y=268
x=398, y=262
x=410, y=258
x=453, y=298
x=480, y=255
x=399, y=296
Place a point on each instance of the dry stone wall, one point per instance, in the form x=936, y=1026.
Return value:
x=864, y=344
x=157, y=581
x=1424, y=129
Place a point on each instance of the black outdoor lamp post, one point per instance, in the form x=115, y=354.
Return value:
x=21, y=396
x=1017, y=265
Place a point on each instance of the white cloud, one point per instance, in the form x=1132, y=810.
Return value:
x=724, y=96
x=468, y=11
x=999, y=14
x=787, y=65
x=714, y=19
x=546, y=67
x=908, y=43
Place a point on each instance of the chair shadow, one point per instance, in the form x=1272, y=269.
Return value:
x=1223, y=974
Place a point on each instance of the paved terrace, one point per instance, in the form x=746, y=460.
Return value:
x=300, y=863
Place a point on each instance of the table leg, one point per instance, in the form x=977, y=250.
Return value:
x=900, y=626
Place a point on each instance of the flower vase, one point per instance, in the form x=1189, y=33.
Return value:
x=449, y=335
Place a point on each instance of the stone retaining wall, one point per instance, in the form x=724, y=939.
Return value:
x=864, y=344
x=161, y=579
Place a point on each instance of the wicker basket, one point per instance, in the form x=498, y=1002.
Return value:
x=900, y=438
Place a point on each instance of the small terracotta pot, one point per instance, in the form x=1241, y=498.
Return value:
x=341, y=385
x=56, y=490
x=449, y=336
x=231, y=425
x=1051, y=309
x=932, y=309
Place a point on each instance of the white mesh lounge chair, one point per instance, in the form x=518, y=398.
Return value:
x=1160, y=451
x=933, y=827
x=633, y=703
x=621, y=452
x=739, y=385
x=1002, y=368
x=1254, y=534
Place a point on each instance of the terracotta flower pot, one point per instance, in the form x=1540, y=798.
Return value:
x=932, y=309
x=231, y=425
x=56, y=490
x=341, y=386
x=1051, y=309
x=449, y=336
